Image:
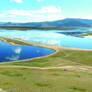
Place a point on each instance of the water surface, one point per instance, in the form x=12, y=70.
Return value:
x=10, y=52
x=55, y=37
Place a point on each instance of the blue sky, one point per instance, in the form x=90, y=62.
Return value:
x=44, y=10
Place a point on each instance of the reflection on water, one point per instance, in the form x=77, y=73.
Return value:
x=10, y=52
x=79, y=38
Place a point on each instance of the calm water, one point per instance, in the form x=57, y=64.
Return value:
x=54, y=37
x=10, y=52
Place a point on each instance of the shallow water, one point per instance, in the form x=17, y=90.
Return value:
x=10, y=52
x=52, y=37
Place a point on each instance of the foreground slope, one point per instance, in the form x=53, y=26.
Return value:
x=66, y=71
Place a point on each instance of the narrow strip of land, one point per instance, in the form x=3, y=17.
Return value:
x=41, y=45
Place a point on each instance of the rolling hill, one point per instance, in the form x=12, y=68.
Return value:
x=68, y=22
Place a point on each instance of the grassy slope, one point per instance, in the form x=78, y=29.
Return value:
x=32, y=80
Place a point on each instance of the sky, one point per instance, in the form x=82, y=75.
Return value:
x=44, y=10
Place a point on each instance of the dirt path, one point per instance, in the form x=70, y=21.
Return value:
x=78, y=68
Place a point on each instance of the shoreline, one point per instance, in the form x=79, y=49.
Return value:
x=55, y=48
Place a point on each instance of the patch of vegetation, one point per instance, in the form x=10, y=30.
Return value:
x=79, y=89
x=11, y=74
x=43, y=84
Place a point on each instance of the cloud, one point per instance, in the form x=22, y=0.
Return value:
x=47, y=9
x=51, y=9
x=18, y=12
x=17, y=1
x=46, y=13
x=39, y=0
x=85, y=16
x=2, y=15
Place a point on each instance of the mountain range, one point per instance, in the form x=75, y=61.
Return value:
x=68, y=22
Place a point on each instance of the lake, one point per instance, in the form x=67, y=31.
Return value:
x=10, y=52
x=65, y=38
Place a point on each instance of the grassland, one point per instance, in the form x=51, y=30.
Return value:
x=32, y=80
x=72, y=72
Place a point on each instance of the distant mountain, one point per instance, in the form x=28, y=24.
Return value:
x=87, y=21
x=68, y=22
x=71, y=23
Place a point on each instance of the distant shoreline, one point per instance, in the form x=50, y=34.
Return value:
x=38, y=28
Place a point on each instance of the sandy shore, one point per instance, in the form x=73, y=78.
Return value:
x=43, y=45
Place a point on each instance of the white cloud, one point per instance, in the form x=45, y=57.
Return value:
x=19, y=12
x=52, y=9
x=48, y=9
x=87, y=16
x=46, y=13
x=39, y=0
x=17, y=1
x=84, y=16
x=2, y=15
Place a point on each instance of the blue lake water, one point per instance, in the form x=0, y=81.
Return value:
x=10, y=52
x=52, y=37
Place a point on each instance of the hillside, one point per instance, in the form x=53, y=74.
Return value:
x=68, y=22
